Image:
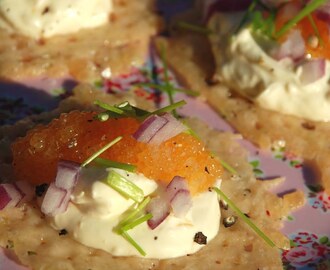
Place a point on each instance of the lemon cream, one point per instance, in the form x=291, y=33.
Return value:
x=244, y=64
x=46, y=18
x=96, y=209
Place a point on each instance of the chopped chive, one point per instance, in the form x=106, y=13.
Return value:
x=315, y=29
x=308, y=9
x=133, y=243
x=247, y=220
x=167, y=87
x=130, y=110
x=134, y=213
x=246, y=15
x=136, y=222
x=124, y=186
x=228, y=167
x=192, y=132
x=114, y=164
x=108, y=107
x=99, y=152
x=194, y=28
x=130, y=222
x=170, y=107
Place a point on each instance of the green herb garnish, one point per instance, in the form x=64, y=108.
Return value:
x=132, y=220
x=137, y=211
x=315, y=29
x=127, y=110
x=133, y=243
x=124, y=186
x=136, y=222
x=308, y=9
x=247, y=220
x=169, y=108
x=99, y=152
x=114, y=164
x=228, y=167
x=106, y=106
x=266, y=26
x=247, y=15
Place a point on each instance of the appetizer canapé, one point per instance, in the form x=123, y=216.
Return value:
x=272, y=88
x=116, y=185
x=84, y=39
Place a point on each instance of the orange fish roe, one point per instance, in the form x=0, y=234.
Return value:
x=319, y=50
x=77, y=135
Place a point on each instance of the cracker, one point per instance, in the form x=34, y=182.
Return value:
x=190, y=56
x=83, y=55
x=39, y=246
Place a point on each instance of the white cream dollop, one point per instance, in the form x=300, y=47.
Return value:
x=96, y=209
x=275, y=85
x=46, y=18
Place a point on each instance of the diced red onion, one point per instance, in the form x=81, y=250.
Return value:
x=178, y=183
x=56, y=200
x=170, y=130
x=149, y=128
x=67, y=174
x=176, y=196
x=293, y=47
x=160, y=209
x=10, y=196
x=26, y=189
x=58, y=194
x=323, y=12
x=181, y=203
x=312, y=71
x=157, y=129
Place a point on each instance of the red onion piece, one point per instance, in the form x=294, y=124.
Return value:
x=181, y=203
x=26, y=190
x=170, y=130
x=293, y=47
x=323, y=12
x=57, y=197
x=67, y=174
x=56, y=200
x=312, y=71
x=10, y=196
x=157, y=129
x=177, y=196
x=149, y=128
x=160, y=209
x=4, y=197
x=178, y=183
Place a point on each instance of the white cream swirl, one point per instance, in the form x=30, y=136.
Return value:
x=246, y=66
x=96, y=209
x=46, y=18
